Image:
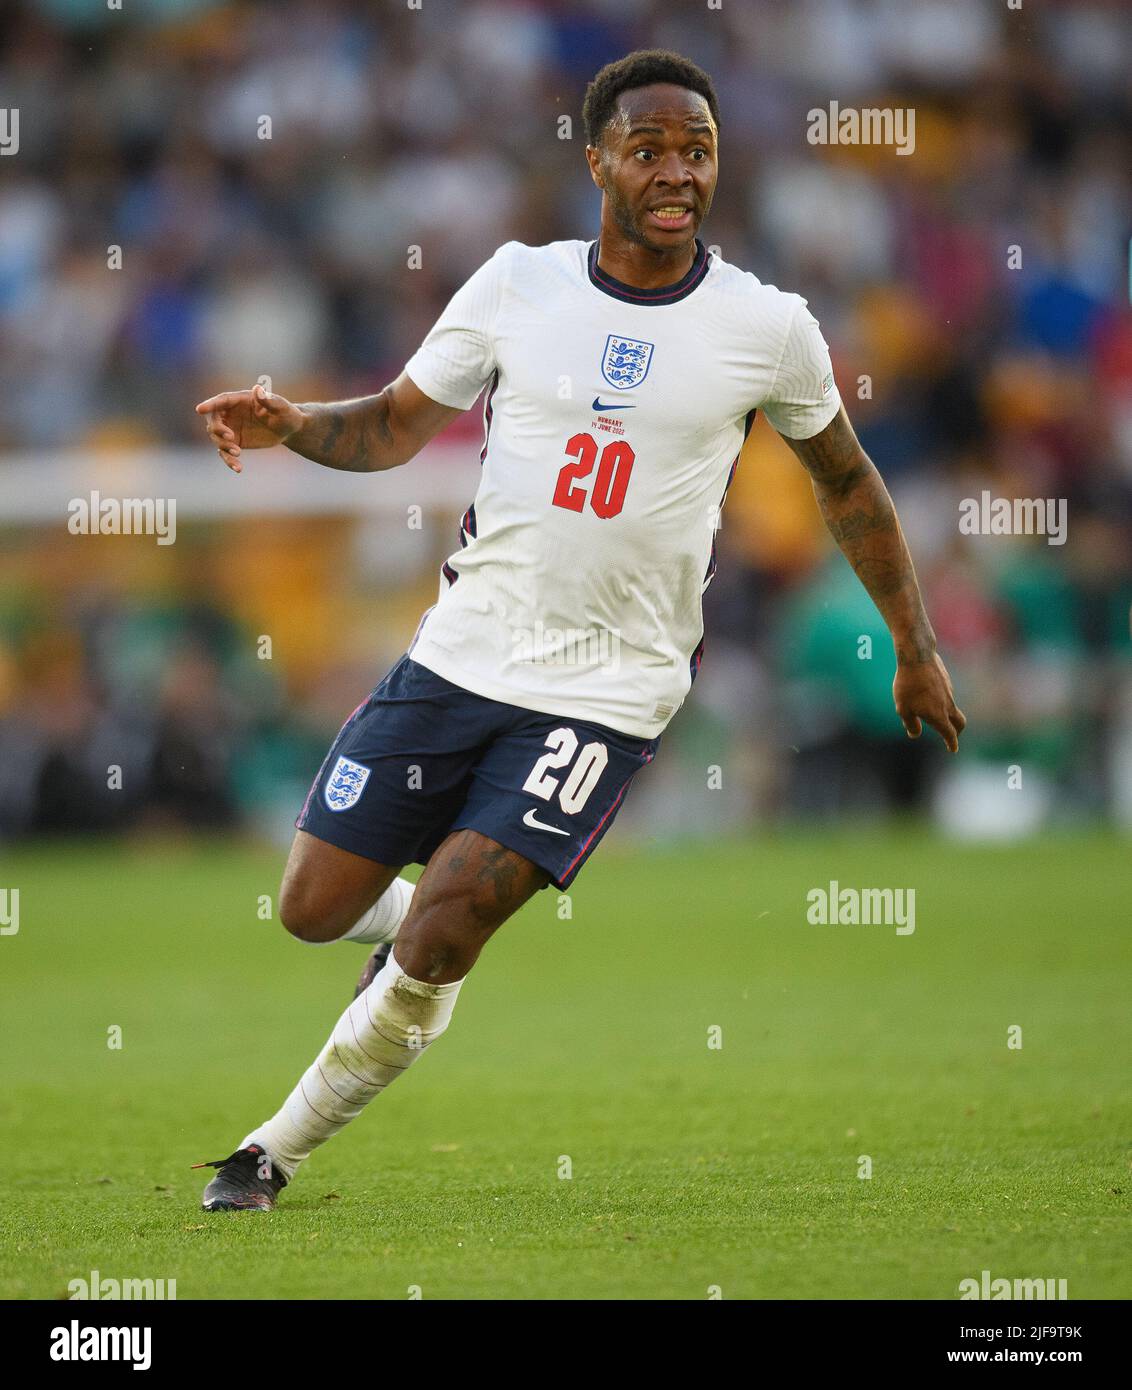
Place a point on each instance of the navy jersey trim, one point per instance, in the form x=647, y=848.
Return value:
x=488, y=413
x=468, y=520
x=698, y=654
x=662, y=294
x=710, y=575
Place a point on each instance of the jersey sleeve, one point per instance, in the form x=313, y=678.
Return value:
x=804, y=397
x=457, y=357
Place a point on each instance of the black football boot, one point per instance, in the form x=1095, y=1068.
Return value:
x=246, y=1181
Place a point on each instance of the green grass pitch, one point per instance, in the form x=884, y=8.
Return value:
x=693, y=1167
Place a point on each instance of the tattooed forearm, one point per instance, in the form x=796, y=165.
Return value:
x=356, y=436
x=833, y=458
x=849, y=526
x=859, y=514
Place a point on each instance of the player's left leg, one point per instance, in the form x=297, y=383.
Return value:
x=469, y=888
x=331, y=894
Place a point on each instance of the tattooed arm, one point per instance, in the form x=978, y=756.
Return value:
x=858, y=511
x=360, y=436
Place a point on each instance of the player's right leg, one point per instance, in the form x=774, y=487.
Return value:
x=328, y=894
x=471, y=886
x=393, y=780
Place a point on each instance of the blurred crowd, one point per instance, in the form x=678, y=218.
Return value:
x=975, y=295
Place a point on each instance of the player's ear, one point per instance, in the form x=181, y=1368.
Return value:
x=593, y=158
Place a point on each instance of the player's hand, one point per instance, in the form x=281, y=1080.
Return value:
x=922, y=691
x=255, y=419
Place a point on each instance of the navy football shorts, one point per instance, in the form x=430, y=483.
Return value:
x=423, y=757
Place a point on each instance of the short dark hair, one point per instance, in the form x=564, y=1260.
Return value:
x=641, y=69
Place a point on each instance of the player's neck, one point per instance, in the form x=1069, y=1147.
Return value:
x=636, y=265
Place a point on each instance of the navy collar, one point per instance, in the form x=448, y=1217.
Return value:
x=662, y=294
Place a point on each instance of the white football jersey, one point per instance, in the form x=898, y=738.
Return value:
x=612, y=425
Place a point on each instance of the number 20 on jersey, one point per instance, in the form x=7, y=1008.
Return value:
x=606, y=493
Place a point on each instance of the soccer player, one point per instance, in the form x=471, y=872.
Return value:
x=622, y=378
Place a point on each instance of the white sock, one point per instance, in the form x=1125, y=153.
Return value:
x=383, y=920
x=382, y=1032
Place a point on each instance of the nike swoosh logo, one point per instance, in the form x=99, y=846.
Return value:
x=532, y=820
x=627, y=405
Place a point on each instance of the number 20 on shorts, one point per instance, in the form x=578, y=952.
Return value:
x=583, y=777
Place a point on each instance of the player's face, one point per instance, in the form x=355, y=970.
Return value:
x=657, y=165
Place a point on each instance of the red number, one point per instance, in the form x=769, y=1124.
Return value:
x=608, y=496
x=611, y=483
x=565, y=493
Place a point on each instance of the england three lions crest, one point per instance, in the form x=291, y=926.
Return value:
x=626, y=361
x=345, y=784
